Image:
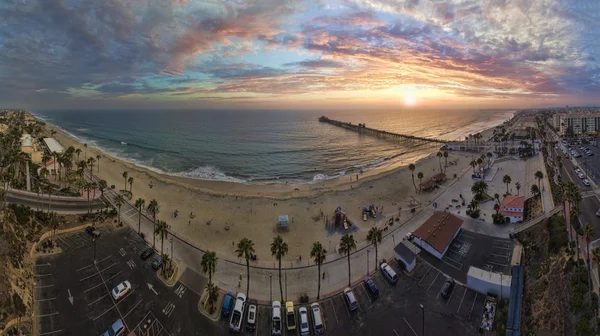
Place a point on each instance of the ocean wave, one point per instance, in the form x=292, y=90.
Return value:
x=82, y=129
x=209, y=173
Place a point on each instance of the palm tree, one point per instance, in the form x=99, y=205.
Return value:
x=412, y=167
x=154, y=208
x=85, y=152
x=596, y=255
x=49, y=189
x=478, y=189
x=518, y=186
x=440, y=155
x=473, y=164
x=245, y=249
x=497, y=197
x=78, y=152
x=534, y=189
x=213, y=293
x=88, y=187
x=318, y=253
x=489, y=156
x=347, y=244
x=101, y=186
x=446, y=160
x=54, y=222
x=98, y=160
x=588, y=234
x=506, y=179
x=279, y=249
x=420, y=177
x=130, y=181
x=139, y=204
x=119, y=200
x=539, y=176
x=125, y=177
x=162, y=231
x=497, y=208
x=209, y=264
x=374, y=237
x=473, y=205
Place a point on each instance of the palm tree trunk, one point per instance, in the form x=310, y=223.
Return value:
x=247, y=276
x=413, y=180
x=280, y=287
x=140, y=221
x=319, y=281
x=349, y=283
x=154, y=230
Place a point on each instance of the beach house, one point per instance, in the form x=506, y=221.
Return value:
x=512, y=208
x=436, y=234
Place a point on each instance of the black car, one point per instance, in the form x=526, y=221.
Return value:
x=157, y=262
x=447, y=288
x=147, y=253
x=371, y=287
x=92, y=231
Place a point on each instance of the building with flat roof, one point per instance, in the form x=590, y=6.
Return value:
x=407, y=253
x=436, y=234
x=579, y=122
x=512, y=208
x=26, y=144
x=54, y=146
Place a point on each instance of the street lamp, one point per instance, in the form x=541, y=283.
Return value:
x=423, y=320
x=94, y=240
x=271, y=285
x=171, y=262
x=368, y=250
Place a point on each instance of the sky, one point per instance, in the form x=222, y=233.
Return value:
x=298, y=54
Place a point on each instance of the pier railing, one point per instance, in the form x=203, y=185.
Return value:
x=362, y=128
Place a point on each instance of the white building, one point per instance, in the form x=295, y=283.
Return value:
x=436, y=234
x=512, y=208
x=54, y=146
x=407, y=254
x=484, y=282
x=580, y=122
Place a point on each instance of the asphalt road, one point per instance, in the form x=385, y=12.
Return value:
x=61, y=206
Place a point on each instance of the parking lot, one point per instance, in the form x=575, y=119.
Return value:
x=73, y=293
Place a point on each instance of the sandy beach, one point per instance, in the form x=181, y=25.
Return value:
x=251, y=210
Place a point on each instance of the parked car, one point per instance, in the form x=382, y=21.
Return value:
x=252, y=317
x=447, y=288
x=116, y=329
x=276, y=318
x=121, y=289
x=235, y=324
x=157, y=262
x=598, y=213
x=350, y=299
x=318, y=326
x=389, y=273
x=92, y=231
x=586, y=182
x=371, y=287
x=303, y=321
x=147, y=253
x=228, y=300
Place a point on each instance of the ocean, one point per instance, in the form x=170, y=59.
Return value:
x=263, y=146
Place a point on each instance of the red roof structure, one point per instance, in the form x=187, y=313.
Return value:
x=439, y=230
x=512, y=202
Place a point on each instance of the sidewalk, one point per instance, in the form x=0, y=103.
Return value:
x=547, y=201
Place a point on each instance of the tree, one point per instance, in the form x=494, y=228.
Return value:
x=98, y=160
x=420, y=176
x=125, y=177
x=54, y=222
x=101, y=186
x=78, y=152
x=213, y=293
x=497, y=197
x=119, y=200
x=479, y=188
x=319, y=254
x=161, y=230
x=473, y=164
x=497, y=208
x=85, y=152
x=506, y=179
x=209, y=264
x=440, y=155
x=534, y=189
x=489, y=156
x=154, y=208
x=596, y=256
x=279, y=249
x=374, y=237
x=245, y=249
x=139, y=204
x=412, y=167
x=539, y=176
x=130, y=181
x=588, y=233
x=90, y=162
x=518, y=186
x=446, y=160
x=347, y=244
x=88, y=187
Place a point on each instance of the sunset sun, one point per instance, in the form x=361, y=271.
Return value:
x=409, y=100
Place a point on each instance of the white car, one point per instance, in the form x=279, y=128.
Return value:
x=586, y=182
x=121, y=289
x=598, y=213
x=304, y=328
x=581, y=176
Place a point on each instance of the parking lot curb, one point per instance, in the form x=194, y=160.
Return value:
x=217, y=305
x=46, y=234
x=181, y=267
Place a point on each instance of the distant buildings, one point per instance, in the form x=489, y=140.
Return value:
x=580, y=120
x=512, y=208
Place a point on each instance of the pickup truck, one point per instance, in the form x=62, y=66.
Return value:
x=276, y=318
x=290, y=315
x=238, y=312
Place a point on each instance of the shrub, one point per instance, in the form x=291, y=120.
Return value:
x=557, y=233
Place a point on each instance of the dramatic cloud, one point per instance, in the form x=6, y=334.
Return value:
x=105, y=53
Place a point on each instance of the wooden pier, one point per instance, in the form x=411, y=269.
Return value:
x=362, y=128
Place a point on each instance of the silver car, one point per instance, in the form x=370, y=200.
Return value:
x=598, y=213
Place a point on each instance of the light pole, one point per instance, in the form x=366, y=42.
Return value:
x=368, y=250
x=171, y=262
x=393, y=240
x=94, y=240
x=423, y=320
x=271, y=285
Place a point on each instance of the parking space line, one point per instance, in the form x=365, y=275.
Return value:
x=126, y=295
x=49, y=299
x=430, y=267
x=365, y=291
x=51, y=332
x=99, y=261
x=334, y=312
x=113, y=276
x=106, y=311
x=452, y=293
x=46, y=286
x=64, y=242
x=98, y=273
x=42, y=275
x=503, y=248
x=461, y=300
x=85, y=267
x=132, y=308
x=436, y=276
x=447, y=263
x=46, y=315
x=491, y=262
x=89, y=289
x=41, y=265
x=89, y=276
x=473, y=305
x=102, y=297
x=395, y=332
x=411, y=328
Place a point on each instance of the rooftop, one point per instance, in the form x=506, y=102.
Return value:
x=439, y=230
x=406, y=251
x=53, y=145
x=511, y=201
